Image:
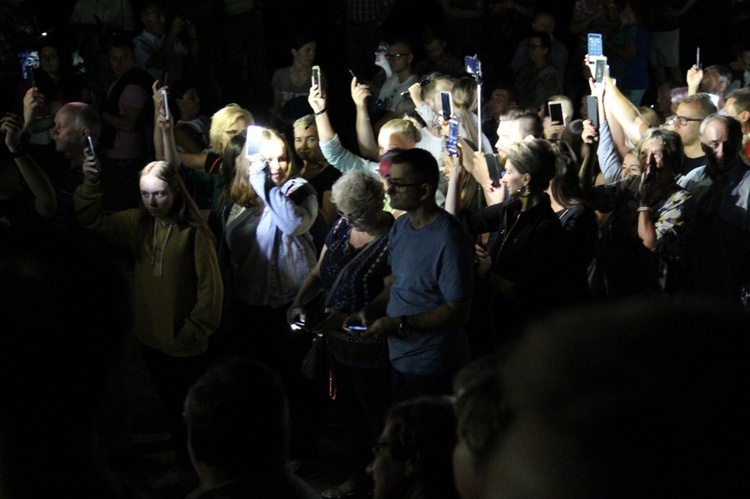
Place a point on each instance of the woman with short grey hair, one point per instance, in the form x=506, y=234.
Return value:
x=352, y=270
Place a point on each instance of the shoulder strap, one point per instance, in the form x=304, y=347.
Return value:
x=216, y=162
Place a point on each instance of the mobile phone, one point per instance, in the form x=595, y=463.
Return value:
x=698, y=57
x=316, y=76
x=592, y=110
x=473, y=65
x=354, y=327
x=493, y=168
x=91, y=145
x=446, y=104
x=165, y=103
x=254, y=134
x=599, y=70
x=452, y=144
x=556, y=111
x=163, y=78
x=595, y=45
x=298, y=325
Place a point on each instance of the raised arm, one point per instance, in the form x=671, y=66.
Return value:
x=624, y=112
x=334, y=152
x=368, y=146
x=293, y=206
x=45, y=200
x=118, y=227
x=317, y=100
x=164, y=142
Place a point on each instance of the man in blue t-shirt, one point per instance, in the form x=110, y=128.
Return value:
x=429, y=299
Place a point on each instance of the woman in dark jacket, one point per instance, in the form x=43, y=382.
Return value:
x=523, y=263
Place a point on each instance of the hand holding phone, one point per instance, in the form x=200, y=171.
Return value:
x=90, y=166
x=316, y=76
x=446, y=105
x=592, y=110
x=556, y=112
x=91, y=146
x=451, y=144
x=354, y=326
x=600, y=69
x=254, y=136
x=165, y=103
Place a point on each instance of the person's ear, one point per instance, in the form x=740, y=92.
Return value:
x=426, y=191
x=744, y=117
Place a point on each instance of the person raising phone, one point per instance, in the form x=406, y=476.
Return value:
x=177, y=287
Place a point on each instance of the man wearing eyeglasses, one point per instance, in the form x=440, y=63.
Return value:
x=390, y=98
x=691, y=111
x=429, y=300
x=687, y=120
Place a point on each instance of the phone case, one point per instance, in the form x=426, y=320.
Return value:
x=452, y=143
x=592, y=108
x=595, y=45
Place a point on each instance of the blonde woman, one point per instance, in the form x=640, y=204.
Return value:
x=225, y=124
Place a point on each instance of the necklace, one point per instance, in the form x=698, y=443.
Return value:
x=507, y=234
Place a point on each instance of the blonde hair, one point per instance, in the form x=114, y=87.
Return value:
x=464, y=98
x=407, y=127
x=223, y=119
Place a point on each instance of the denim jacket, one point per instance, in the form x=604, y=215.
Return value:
x=271, y=250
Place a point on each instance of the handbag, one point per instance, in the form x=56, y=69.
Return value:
x=315, y=364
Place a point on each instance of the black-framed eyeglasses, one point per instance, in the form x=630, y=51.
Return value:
x=398, y=186
x=396, y=55
x=682, y=120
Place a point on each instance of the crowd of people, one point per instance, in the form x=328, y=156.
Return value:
x=492, y=300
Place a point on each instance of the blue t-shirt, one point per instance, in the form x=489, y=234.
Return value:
x=431, y=266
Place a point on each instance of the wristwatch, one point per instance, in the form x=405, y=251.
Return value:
x=403, y=326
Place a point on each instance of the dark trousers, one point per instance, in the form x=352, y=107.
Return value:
x=173, y=377
x=362, y=397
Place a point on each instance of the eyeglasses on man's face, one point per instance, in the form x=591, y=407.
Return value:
x=397, y=55
x=399, y=186
x=682, y=120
